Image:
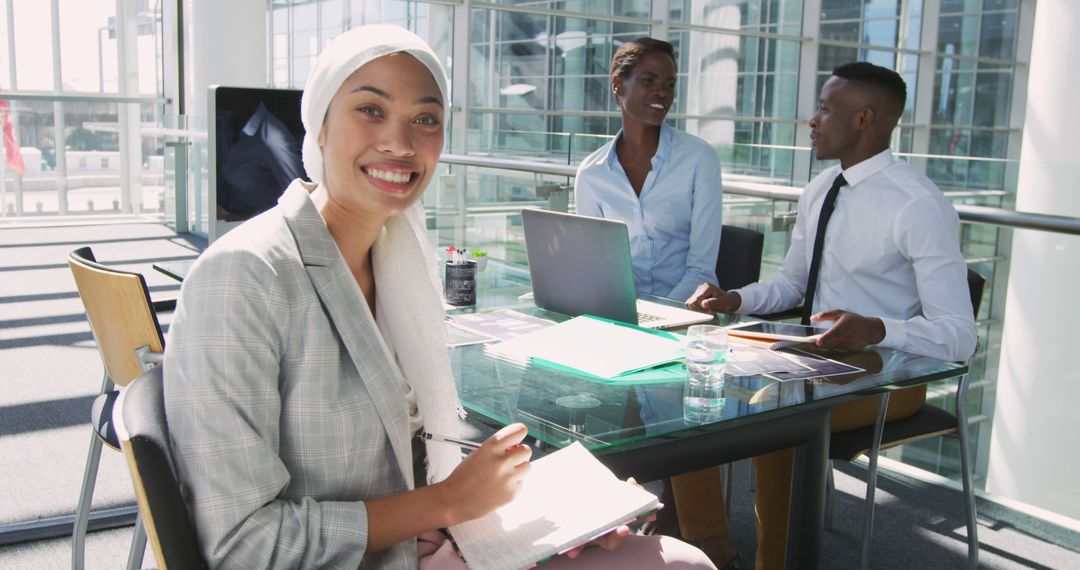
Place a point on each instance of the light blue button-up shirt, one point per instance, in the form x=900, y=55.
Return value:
x=675, y=224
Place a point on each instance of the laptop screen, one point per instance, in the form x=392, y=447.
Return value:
x=580, y=265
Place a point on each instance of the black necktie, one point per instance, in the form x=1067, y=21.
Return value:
x=819, y=243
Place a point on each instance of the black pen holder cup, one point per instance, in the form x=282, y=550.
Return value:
x=460, y=285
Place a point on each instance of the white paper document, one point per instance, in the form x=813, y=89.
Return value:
x=594, y=346
x=567, y=499
x=750, y=359
x=503, y=324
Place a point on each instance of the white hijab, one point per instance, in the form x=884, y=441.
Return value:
x=403, y=257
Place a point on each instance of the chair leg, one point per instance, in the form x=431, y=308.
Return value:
x=871, y=483
x=728, y=471
x=86, y=494
x=965, y=474
x=830, y=490
x=753, y=479
x=138, y=545
x=82, y=509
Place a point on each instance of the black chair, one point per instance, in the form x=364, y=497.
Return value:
x=929, y=421
x=738, y=263
x=144, y=435
x=124, y=322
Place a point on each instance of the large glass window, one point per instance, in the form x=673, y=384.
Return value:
x=300, y=29
x=88, y=47
x=33, y=41
x=279, y=46
x=782, y=17
x=961, y=158
x=732, y=75
x=725, y=81
x=5, y=62
x=330, y=25
x=883, y=32
x=84, y=152
x=534, y=84
x=879, y=22
x=303, y=40
x=977, y=28
x=969, y=93
x=970, y=109
x=546, y=75
x=601, y=8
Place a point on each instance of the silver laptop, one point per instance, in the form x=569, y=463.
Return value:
x=581, y=265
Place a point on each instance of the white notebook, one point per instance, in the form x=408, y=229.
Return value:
x=567, y=499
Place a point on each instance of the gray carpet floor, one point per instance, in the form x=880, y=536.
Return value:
x=50, y=371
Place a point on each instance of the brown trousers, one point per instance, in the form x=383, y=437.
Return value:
x=699, y=496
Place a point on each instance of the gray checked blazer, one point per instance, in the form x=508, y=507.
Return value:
x=285, y=410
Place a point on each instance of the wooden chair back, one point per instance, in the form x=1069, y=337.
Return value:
x=120, y=312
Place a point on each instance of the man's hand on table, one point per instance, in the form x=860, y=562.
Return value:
x=850, y=331
x=709, y=297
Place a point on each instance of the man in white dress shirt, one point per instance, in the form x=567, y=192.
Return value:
x=890, y=272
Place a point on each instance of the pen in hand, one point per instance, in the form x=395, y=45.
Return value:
x=451, y=440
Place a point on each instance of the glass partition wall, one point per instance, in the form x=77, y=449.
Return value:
x=530, y=82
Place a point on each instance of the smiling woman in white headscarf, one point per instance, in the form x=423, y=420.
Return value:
x=307, y=348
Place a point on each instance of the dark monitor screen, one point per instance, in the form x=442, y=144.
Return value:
x=255, y=140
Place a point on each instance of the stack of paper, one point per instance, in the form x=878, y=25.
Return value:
x=594, y=346
x=503, y=324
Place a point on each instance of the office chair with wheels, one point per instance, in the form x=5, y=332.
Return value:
x=144, y=435
x=929, y=421
x=124, y=322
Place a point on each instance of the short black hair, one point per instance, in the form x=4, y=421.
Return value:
x=632, y=52
x=882, y=79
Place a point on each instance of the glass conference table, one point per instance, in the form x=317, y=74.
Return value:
x=638, y=429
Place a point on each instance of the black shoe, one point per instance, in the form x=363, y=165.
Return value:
x=658, y=527
x=666, y=523
x=735, y=563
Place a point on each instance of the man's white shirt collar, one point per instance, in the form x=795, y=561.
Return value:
x=869, y=167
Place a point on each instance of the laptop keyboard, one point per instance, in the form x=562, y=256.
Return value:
x=648, y=318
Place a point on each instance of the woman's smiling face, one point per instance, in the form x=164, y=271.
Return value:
x=382, y=136
x=647, y=92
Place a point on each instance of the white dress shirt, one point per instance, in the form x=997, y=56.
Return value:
x=892, y=251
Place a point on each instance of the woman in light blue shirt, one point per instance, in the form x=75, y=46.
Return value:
x=663, y=183
x=665, y=186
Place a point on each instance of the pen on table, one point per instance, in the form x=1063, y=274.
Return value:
x=451, y=440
